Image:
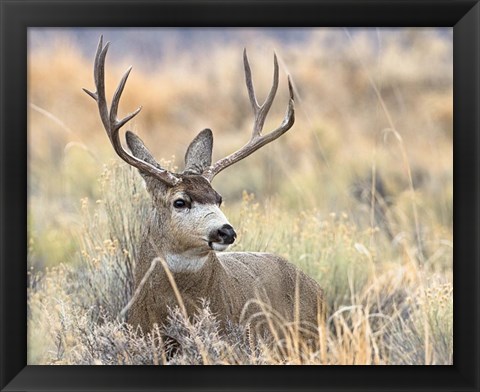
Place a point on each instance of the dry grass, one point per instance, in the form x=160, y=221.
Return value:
x=358, y=194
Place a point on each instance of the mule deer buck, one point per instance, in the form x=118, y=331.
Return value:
x=189, y=232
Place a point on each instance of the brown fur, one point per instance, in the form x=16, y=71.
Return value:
x=228, y=280
x=199, y=190
x=186, y=234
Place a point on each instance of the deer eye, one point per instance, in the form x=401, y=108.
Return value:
x=179, y=203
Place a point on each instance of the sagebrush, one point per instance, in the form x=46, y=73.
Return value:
x=359, y=195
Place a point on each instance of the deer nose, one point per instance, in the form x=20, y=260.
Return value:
x=227, y=234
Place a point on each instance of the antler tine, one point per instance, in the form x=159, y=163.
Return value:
x=109, y=117
x=260, y=113
x=248, y=81
x=95, y=66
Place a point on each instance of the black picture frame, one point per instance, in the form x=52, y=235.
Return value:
x=18, y=15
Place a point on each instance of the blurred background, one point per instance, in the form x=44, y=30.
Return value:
x=373, y=112
x=358, y=194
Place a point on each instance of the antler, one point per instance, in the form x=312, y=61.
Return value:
x=260, y=113
x=112, y=124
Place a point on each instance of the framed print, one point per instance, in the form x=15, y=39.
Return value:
x=227, y=183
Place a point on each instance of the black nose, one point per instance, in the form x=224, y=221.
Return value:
x=227, y=234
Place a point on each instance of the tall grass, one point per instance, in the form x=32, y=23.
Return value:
x=358, y=195
x=379, y=312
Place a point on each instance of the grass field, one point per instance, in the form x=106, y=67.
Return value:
x=358, y=194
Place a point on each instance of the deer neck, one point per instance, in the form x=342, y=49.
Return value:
x=187, y=262
x=190, y=268
x=183, y=262
x=194, y=275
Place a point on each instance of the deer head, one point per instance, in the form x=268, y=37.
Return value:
x=186, y=206
x=190, y=205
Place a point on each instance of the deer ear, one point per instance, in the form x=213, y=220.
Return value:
x=138, y=149
x=199, y=153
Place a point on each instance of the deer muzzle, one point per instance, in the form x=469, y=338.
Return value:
x=221, y=238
